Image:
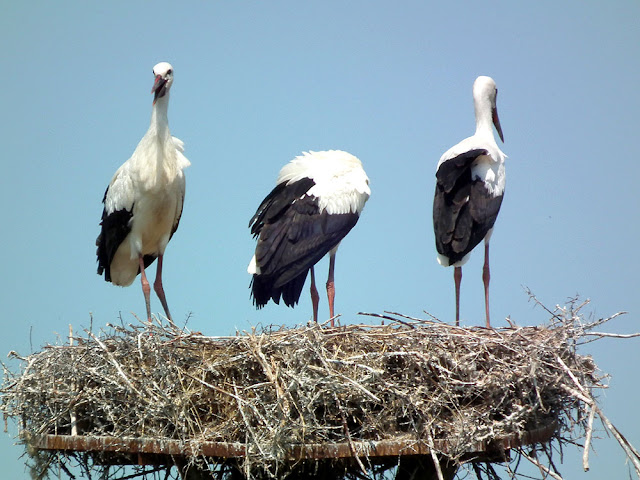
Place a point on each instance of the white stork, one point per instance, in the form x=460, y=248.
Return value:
x=143, y=202
x=317, y=200
x=470, y=181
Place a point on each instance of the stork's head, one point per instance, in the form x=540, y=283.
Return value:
x=164, y=78
x=485, y=95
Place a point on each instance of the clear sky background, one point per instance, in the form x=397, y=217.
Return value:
x=256, y=83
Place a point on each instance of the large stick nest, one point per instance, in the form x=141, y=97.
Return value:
x=407, y=380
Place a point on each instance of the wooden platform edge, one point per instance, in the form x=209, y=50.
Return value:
x=379, y=448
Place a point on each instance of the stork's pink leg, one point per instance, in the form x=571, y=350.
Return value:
x=331, y=288
x=146, y=290
x=486, y=276
x=157, y=286
x=315, y=298
x=457, y=278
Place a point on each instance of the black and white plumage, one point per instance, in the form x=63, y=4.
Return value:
x=470, y=181
x=317, y=200
x=143, y=202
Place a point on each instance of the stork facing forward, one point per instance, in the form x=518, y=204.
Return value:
x=470, y=181
x=143, y=202
x=317, y=200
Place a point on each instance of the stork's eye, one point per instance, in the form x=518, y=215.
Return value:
x=169, y=72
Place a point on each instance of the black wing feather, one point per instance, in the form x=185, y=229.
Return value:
x=450, y=172
x=115, y=227
x=277, y=202
x=463, y=209
x=293, y=238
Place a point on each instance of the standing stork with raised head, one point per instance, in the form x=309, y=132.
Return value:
x=470, y=181
x=317, y=200
x=143, y=202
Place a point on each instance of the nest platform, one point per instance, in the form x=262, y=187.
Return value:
x=350, y=401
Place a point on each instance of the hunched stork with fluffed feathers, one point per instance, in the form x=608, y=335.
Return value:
x=470, y=181
x=143, y=202
x=317, y=200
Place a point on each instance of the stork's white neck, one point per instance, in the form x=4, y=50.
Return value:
x=159, y=117
x=484, y=116
x=155, y=156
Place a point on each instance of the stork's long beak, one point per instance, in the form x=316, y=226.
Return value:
x=159, y=88
x=496, y=122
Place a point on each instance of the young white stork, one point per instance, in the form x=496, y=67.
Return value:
x=470, y=181
x=143, y=202
x=317, y=200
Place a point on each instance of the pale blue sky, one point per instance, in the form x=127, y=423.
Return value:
x=255, y=84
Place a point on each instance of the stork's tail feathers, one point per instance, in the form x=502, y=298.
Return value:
x=263, y=289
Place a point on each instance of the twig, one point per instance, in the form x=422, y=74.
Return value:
x=434, y=457
x=587, y=441
x=632, y=453
x=72, y=417
x=573, y=377
x=612, y=335
x=384, y=317
x=543, y=469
